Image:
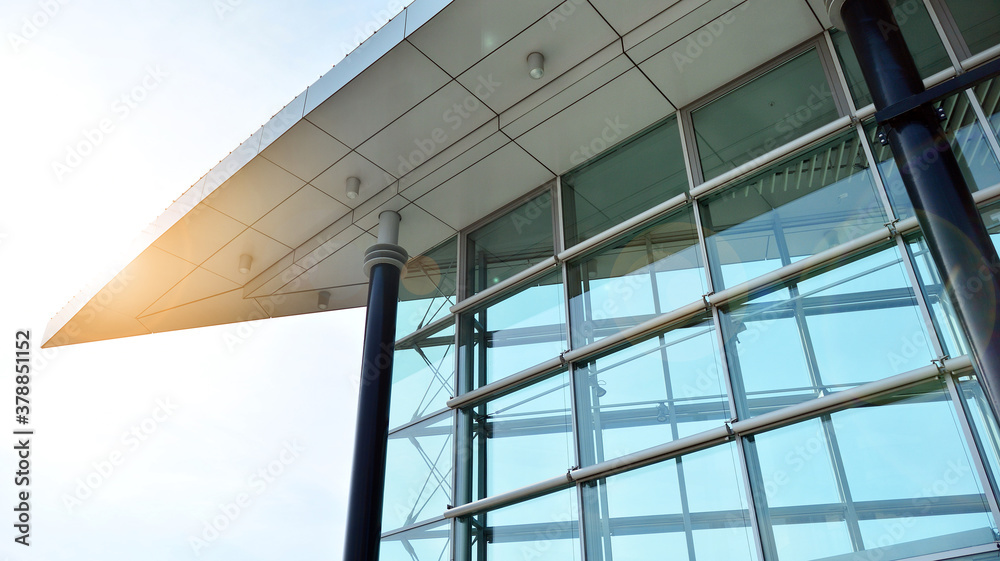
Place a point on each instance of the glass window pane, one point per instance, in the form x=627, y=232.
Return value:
x=510, y=244
x=693, y=507
x=427, y=288
x=543, y=528
x=984, y=426
x=833, y=485
x=526, y=328
x=632, y=178
x=796, y=208
x=418, y=472
x=968, y=140
x=988, y=94
x=427, y=543
x=921, y=37
x=942, y=313
x=423, y=377
x=644, y=274
x=979, y=22
x=654, y=391
x=522, y=438
x=836, y=329
x=763, y=114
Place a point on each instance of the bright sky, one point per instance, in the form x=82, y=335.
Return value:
x=141, y=442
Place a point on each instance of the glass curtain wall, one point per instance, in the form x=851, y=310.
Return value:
x=724, y=380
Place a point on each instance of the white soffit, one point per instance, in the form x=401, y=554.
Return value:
x=253, y=191
x=501, y=79
x=473, y=195
x=373, y=179
x=626, y=15
x=305, y=150
x=408, y=113
x=613, y=113
x=200, y=284
x=436, y=123
x=300, y=216
x=468, y=30
x=741, y=39
x=390, y=87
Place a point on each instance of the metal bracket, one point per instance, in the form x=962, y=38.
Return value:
x=729, y=429
x=707, y=299
x=939, y=363
x=881, y=135
x=891, y=226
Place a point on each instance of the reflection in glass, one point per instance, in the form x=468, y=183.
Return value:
x=834, y=486
x=968, y=140
x=423, y=377
x=692, y=507
x=793, y=209
x=521, y=438
x=426, y=543
x=978, y=21
x=427, y=288
x=984, y=426
x=921, y=37
x=543, y=528
x=510, y=244
x=840, y=328
x=654, y=391
x=942, y=312
x=524, y=329
x=637, y=277
x=628, y=180
x=988, y=94
x=763, y=114
x=418, y=472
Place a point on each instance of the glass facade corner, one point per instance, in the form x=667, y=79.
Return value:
x=758, y=367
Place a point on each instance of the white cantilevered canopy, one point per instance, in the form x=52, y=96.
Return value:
x=438, y=118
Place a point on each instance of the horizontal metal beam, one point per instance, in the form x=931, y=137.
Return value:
x=503, y=286
x=841, y=400
x=755, y=164
x=931, y=81
x=957, y=84
x=976, y=60
x=507, y=383
x=510, y=497
x=613, y=232
x=408, y=341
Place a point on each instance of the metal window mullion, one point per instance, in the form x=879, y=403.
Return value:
x=918, y=292
x=961, y=411
x=984, y=123
x=875, y=173
x=830, y=64
x=755, y=525
x=948, y=32
x=558, y=220
x=757, y=505
x=843, y=486
x=838, y=69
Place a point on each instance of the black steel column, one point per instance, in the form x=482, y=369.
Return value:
x=958, y=241
x=383, y=263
